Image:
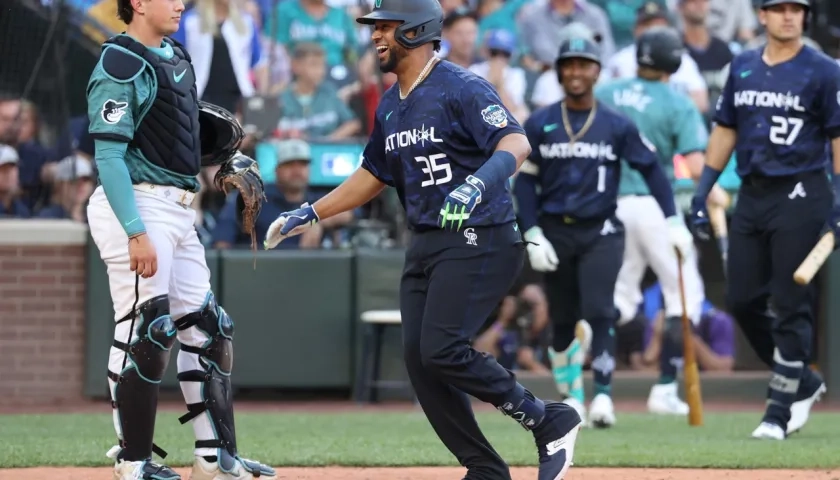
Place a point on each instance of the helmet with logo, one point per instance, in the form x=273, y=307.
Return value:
x=220, y=132
x=423, y=17
x=660, y=48
x=577, y=47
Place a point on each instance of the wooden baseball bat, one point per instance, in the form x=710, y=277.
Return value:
x=717, y=217
x=691, y=373
x=815, y=259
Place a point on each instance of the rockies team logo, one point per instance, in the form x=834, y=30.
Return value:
x=113, y=111
x=471, y=236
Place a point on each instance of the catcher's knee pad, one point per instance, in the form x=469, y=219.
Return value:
x=215, y=358
x=135, y=395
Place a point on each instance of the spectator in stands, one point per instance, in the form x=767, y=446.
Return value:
x=687, y=79
x=714, y=336
x=313, y=21
x=20, y=127
x=310, y=105
x=542, y=26
x=732, y=20
x=711, y=54
x=622, y=17
x=10, y=204
x=509, y=80
x=290, y=190
x=497, y=15
x=72, y=186
x=224, y=44
x=460, y=36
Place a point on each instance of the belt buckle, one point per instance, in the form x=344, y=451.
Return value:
x=568, y=220
x=183, y=200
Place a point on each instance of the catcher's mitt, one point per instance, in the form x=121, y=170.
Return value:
x=241, y=172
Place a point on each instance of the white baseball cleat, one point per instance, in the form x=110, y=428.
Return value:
x=768, y=431
x=602, y=411
x=663, y=400
x=799, y=411
x=243, y=469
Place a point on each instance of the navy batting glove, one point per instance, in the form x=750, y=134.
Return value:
x=289, y=224
x=460, y=203
x=700, y=218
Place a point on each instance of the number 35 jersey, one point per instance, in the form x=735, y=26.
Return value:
x=784, y=115
x=426, y=145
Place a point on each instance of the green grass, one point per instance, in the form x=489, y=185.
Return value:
x=405, y=439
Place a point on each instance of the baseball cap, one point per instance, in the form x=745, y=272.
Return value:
x=73, y=167
x=292, y=150
x=651, y=11
x=8, y=155
x=501, y=40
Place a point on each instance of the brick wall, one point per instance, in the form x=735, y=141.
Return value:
x=42, y=309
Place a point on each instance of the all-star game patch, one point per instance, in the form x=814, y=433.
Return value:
x=495, y=115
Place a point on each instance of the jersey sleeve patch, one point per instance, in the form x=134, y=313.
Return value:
x=121, y=65
x=112, y=111
x=495, y=115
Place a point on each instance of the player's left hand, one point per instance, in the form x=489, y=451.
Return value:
x=679, y=235
x=289, y=224
x=460, y=203
x=699, y=217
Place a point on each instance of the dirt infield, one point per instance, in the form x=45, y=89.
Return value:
x=436, y=473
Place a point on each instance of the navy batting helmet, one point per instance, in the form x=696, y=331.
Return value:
x=220, y=132
x=424, y=17
x=660, y=48
x=577, y=47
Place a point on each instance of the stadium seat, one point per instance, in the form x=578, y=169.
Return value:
x=368, y=384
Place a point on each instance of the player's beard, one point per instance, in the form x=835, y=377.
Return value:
x=395, y=54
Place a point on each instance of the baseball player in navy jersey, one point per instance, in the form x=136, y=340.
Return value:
x=779, y=110
x=573, y=233
x=444, y=140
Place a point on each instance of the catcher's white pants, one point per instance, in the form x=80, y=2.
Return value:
x=647, y=244
x=182, y=274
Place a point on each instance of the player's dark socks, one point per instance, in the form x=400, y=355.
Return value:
x=524, y=407
x=670, y=357
x=603, y=389
x=666, y=379
x=603, y=349
x=782, y=390
x=808, y=384
x=562, y=338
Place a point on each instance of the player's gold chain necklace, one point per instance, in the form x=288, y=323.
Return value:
x=423, y=74
x=573, y=137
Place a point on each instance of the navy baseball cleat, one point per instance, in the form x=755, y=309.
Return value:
x=555, y=437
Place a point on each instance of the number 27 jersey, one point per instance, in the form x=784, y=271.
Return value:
x=426, y=145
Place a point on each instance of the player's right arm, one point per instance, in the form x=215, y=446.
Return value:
x=112, y=104
x=359, y=188
x=721, y=142
x=525, y=184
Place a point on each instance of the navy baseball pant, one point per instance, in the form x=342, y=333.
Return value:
x=451, y=283
x=589, y=256
x=776, y=223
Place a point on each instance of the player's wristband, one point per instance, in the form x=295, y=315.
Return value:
x=707, y=180
x=497, y=169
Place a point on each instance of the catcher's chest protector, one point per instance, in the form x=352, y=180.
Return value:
x=168, y=134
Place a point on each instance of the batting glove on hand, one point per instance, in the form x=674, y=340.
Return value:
x=679, y=235
x=700, y=218
x=541, y=254
x=289, y=224
x=460, y=203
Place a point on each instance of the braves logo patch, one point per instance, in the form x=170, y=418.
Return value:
x=113, y=111
x=495, y=115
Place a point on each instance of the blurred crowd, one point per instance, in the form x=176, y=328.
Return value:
x=301, y=74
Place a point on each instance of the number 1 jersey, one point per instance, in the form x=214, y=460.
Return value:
x=426, y=145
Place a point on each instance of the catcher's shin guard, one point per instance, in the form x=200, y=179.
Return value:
x=145, y=336
x=212, y=343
